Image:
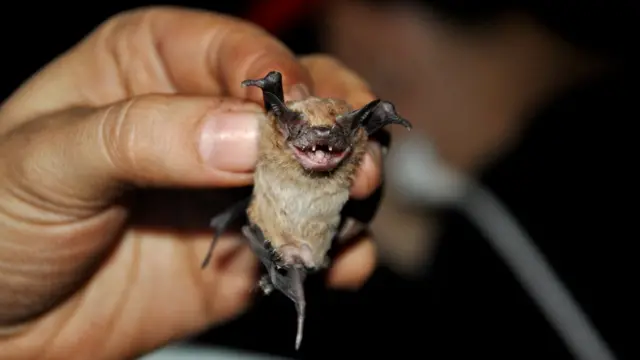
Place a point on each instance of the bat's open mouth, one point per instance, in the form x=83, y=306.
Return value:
x=319, y=157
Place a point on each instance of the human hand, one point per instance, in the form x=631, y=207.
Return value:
x=149, y=101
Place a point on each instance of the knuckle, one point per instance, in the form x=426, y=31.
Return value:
x=124, y=39
x=322, y=60
x=138, y=14
x=254, y=54
x=134, y=134
x=350, y=83
x=132, y=24
x=324, y=63
x=114, y=23
x=118, y=134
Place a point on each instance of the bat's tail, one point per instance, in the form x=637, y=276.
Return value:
x=298, y=275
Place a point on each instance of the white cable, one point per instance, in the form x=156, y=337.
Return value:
x=428, y=179
x=536, y=275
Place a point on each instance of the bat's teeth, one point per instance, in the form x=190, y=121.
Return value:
x=330, y=148
x=313, y=148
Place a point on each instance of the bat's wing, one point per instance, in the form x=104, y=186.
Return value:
x=222, y=221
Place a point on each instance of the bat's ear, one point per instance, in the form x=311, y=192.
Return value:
x=286, y=116
x=353, y=120
x=271, y=83
x=373, y=117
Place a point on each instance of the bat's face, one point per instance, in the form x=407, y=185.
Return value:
x=319, y=148
x=316, y=133
x=321, y=132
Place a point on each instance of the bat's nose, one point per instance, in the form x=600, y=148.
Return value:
x=322, y=131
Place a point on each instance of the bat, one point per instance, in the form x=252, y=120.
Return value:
x=309, y=152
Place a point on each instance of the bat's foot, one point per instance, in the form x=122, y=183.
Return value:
x=265, y=285
x=272, y=83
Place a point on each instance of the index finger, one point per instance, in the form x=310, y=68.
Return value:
x=331, y=78
x=162, y=50
x=234, y=51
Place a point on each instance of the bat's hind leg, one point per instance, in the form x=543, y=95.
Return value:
x=271, y=83
x=260, y=248
x=258, y=245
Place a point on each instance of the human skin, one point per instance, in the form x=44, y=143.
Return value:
x=150, y=99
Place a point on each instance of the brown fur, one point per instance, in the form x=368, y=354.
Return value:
x=319, y=111
x=292, y=205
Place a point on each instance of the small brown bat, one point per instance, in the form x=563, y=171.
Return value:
x=309, y=152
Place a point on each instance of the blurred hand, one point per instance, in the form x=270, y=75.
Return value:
x=151, y=99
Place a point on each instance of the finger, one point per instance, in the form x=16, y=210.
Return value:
x=331, y=78
x=149, y=293
x=353, y=267
x=158, y=50
x=157, y=140
x=238, y=51
x=369, y=175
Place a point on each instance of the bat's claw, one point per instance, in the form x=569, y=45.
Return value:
x=258, y=83
x=266, y=285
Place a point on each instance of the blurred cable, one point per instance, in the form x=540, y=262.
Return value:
x=429, y=181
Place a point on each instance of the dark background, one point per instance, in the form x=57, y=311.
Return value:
x=570, y=182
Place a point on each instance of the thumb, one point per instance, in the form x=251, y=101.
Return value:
x=84, y=156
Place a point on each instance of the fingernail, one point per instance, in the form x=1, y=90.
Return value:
x=228, y=141
x=298, y=92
